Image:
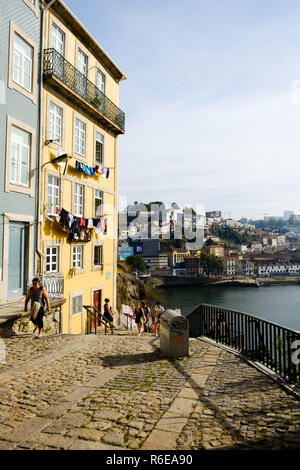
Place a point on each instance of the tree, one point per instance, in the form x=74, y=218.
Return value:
x=136, y=262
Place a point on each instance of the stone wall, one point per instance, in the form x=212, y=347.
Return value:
x=20, y=323
x=51, y=323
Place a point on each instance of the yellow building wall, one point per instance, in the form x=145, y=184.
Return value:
x=52, y=232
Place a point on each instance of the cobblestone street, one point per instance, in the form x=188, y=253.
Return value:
x=119, y=392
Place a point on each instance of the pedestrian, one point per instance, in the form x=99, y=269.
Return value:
x=39, y=298
x=158, y=310
x=138, y=317
x=148, y=318
x=107, y=315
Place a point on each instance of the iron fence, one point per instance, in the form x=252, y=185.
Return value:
x=272, y=345
x=55, y=64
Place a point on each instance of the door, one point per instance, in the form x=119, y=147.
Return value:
x=97, y=299
x=16, y=260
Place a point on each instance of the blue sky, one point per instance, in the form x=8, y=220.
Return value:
x=211, y=101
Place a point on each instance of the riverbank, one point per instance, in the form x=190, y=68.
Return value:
x=241, y=281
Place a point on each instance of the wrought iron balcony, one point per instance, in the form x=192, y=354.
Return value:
x=82, y=91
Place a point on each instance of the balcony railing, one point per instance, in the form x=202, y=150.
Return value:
x=56, y=65
x=272, y=345
x=54, y=285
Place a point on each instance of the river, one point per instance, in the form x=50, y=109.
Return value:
x=278, y=304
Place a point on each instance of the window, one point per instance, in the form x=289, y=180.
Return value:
x=20, y=155
x=98, y=256
x=55, y=123
x=99, y=144
x=78, y=200
x=77, y=258
x=22, y=63
x=52, y=259
x=58, y=39
x=53, y=194
x=101, y=81
x=98, y=203
x=82, y=62
x=76, y=304
x=80, y=137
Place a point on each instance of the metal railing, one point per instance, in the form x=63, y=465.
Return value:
x=259, y=340
x=56, y=64
x=95, y=318
x=53, y=283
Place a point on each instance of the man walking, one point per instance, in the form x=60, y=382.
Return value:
x=38, y=294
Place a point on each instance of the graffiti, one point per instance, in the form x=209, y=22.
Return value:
x=2, y=352
x=178, y=340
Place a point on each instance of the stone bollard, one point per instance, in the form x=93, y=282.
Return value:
x=174, y=334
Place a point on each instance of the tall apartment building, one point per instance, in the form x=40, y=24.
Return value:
x=79, y=193
x=19, y=100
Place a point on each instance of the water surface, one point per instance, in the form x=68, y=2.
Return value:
x=279, y=304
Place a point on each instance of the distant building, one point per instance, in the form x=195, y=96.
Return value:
x=192, y=265
x=287, y=214
x=157, y=262
x=216, y=250
x=213, y=214
x=124, y=251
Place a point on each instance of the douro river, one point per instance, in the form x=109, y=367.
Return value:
x=278, y=304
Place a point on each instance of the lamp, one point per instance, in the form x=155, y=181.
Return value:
x=61, y=158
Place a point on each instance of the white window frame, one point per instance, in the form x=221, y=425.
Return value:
x=20, y=149
x=99, y=266
x=51, y=255
x=55, y=121
x=75, y=296
x=80, y=136
x=55, y=40
x=15, y=186
x=79, y=200
x=100, y=83
x=53, y=201
x=98, y=197
x=102, y=141
x=82, y=61
x=77, y=257
x=19, y=85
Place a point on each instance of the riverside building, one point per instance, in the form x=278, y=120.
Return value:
x=81, y=123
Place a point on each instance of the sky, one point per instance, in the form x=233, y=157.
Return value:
x=212, y=100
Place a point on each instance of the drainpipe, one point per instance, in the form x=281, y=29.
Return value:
x=43, y=8
x=116, y=223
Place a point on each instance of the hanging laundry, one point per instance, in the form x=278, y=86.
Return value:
x=90, y=223
x=82, y=222
x=76, y=227
x=71, y=218
x=64, y=218
x=82, y=234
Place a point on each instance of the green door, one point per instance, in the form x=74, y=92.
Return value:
x=16, y=260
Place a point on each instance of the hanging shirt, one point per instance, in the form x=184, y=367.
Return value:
x=64, y=218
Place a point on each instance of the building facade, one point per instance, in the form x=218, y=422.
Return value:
x=19, y=124
x=79, y=172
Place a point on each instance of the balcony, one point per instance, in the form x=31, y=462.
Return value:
x=54, y=285
x=67, y=80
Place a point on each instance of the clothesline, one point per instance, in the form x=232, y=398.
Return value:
x=78, y=228
x=99, y=170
